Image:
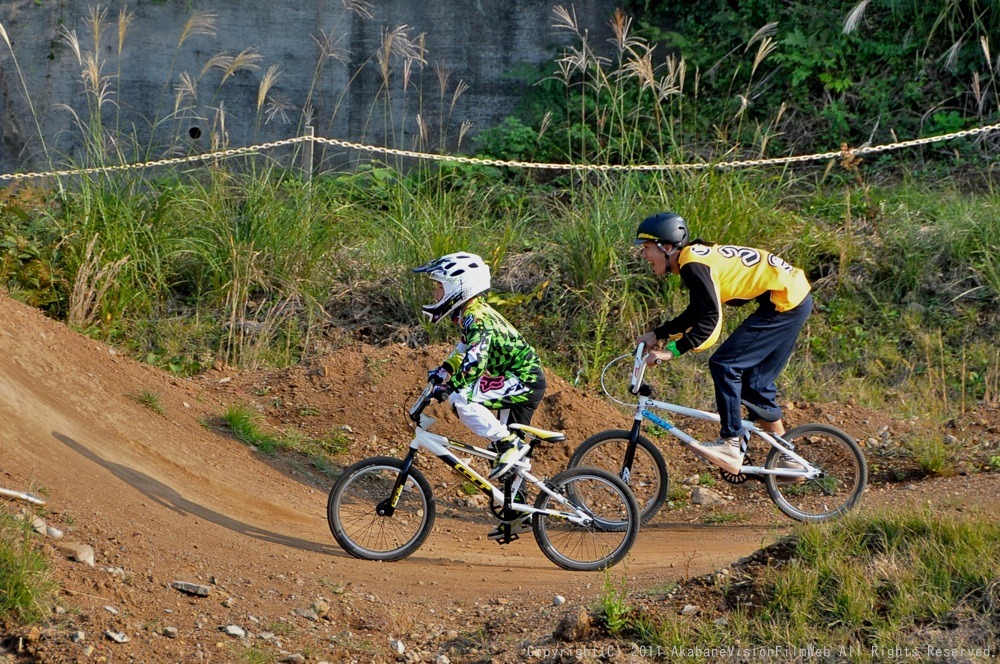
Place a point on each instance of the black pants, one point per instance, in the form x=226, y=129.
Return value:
x=750, y=360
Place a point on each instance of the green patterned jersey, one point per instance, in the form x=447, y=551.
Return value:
x=490, y=347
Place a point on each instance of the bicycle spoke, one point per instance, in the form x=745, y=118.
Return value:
x=602, y=542
x=647, y=477
x=844, y=474
x=352, y=511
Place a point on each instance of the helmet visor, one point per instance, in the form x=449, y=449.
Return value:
x=643, y=238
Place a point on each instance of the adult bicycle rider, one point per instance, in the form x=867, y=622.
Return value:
x=749, y=361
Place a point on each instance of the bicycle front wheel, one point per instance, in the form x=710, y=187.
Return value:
x=609, y=535
x=844, y=474
x=352, y=510
x=647, y=478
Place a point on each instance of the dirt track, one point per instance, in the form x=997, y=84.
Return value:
x=165, y=498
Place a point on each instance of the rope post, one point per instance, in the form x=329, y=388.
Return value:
x=307, y=152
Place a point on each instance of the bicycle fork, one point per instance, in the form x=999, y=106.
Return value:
x=388, y=506
x=633, y=440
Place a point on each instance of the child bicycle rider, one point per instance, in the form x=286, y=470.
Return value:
x=492, y=367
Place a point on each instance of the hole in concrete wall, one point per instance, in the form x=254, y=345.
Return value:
x=194, y=132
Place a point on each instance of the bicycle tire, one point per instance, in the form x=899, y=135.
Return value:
x=649, y=477
x=593, y=547
x=360, y=530
x=845, y=474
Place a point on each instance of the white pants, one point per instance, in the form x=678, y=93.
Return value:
x=478, y=418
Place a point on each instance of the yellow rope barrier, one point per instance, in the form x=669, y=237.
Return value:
x=844, y=152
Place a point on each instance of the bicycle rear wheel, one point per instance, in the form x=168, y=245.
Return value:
x=839, y=487
x=648, y=476
x=352, y=510
x=606, y=539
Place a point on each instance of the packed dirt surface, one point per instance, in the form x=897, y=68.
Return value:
x=137, y=464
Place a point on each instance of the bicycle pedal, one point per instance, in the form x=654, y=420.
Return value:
x=515, y=529
x=501, y=539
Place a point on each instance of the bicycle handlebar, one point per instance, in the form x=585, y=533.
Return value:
x=422, y=401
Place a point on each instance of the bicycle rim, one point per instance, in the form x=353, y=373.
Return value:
x=596, y=545
x=355, y=522
x=647, y=478
x=837, y=490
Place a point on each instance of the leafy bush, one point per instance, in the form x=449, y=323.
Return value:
x=848, y=71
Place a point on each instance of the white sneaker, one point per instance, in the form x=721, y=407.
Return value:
x=511, y=451
x=725, y=452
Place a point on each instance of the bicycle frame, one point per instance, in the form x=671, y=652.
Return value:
x=441, y=447
x=646, y=404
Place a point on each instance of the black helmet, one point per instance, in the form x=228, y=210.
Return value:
x=663, y=227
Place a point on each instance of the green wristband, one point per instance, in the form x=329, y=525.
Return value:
x=672, y=347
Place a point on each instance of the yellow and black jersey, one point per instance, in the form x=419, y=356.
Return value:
x=727, y=274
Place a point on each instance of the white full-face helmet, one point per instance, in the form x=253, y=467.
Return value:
x=462, y=275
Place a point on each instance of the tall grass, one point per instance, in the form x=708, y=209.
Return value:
x=25, y=586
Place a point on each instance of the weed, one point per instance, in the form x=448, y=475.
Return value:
x=678, y=494
x=663, y=589
x=336, y=587
x=469, y=489
x=931, y=454
x=324, y=465
x=281, y=627
x=614, y=604
x=995, y=462
x=866, y=580
x=335, y=442
x=724, y=517
x=150, y=400
x=253, y=655
x=478, y=638
x=25, y=585
x=242, y=421
x=706, y=479
x=375, y=368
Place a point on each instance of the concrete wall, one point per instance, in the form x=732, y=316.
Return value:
x=327, y=54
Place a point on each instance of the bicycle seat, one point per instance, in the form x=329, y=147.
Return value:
x=540, y=434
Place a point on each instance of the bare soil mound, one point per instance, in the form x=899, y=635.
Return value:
x=171, y=496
